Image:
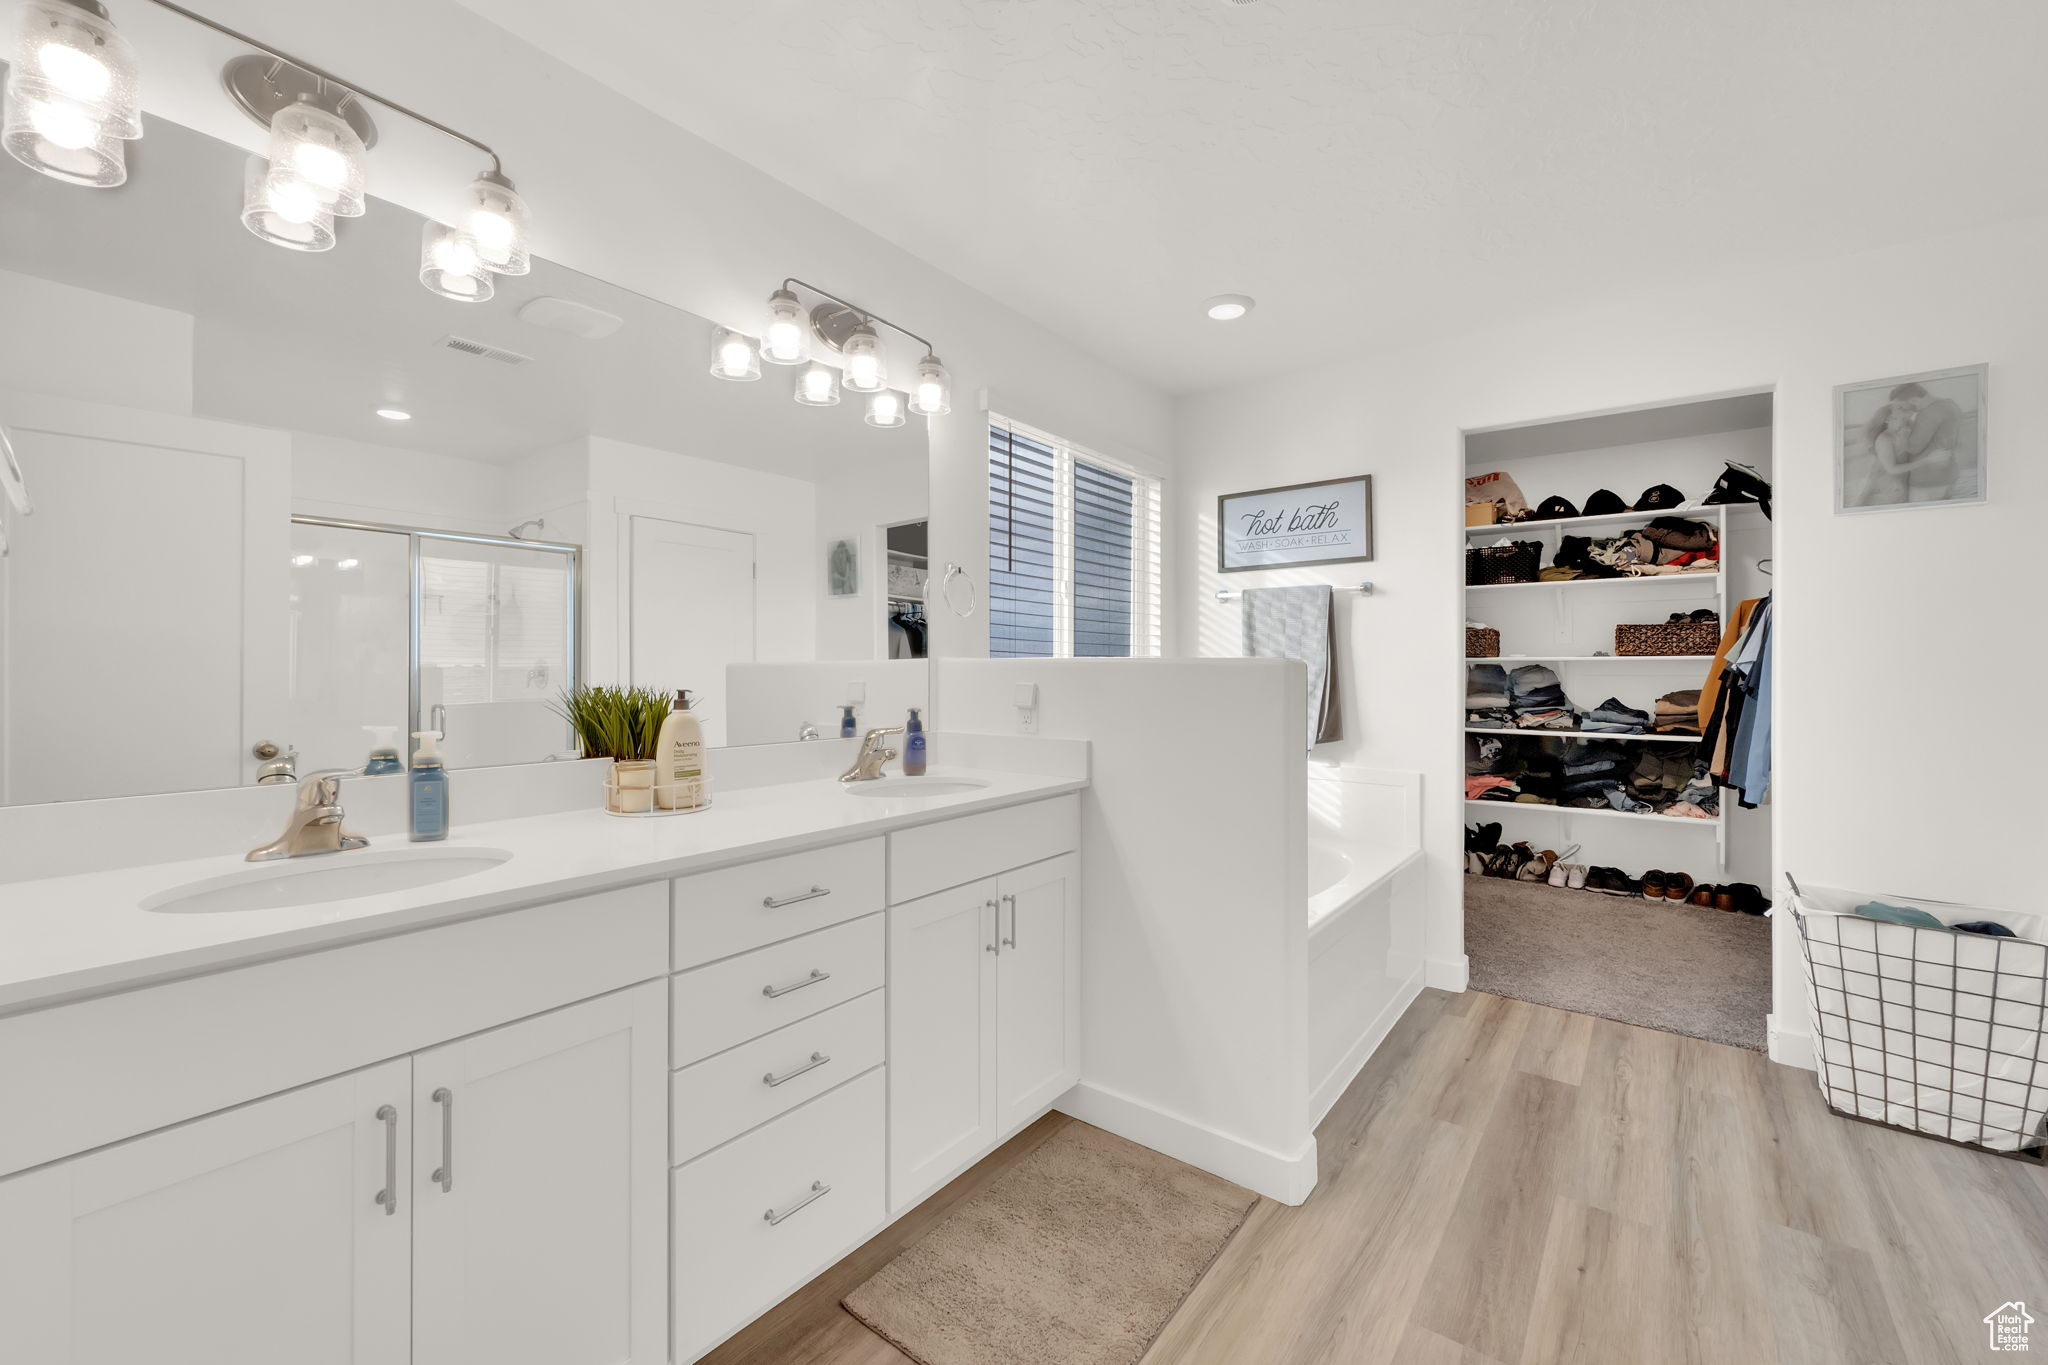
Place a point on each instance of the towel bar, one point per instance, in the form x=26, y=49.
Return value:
x=1362, y=589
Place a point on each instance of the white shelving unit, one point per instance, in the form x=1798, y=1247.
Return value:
x=1504, y=660
x=1582, y=734
x=1718, y=823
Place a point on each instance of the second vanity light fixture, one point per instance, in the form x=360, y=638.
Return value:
x=847, y=329
x=71, y=107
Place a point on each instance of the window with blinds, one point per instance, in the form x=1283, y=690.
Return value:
x=1073, y=551
x=493, y=631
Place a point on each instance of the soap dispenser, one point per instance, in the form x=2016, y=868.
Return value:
x=427, y=803
x=913, y=745
x=679, y=759
x=384, y=755
x=847, y=724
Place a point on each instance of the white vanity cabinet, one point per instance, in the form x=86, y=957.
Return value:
x=984, y=987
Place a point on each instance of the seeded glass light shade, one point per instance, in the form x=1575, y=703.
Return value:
x=498, y=222
x=320, y=152
x=733, y=355
x=61, y=139
x=932, y=394
x=817, y=385
x=785, y=340
x=863, y=352
x=885, y=409
x=451, y=266
x=284, y=211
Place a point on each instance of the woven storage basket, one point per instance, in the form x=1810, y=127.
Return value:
x=1669, y=637
x=1516, y=563
x=1482, y=642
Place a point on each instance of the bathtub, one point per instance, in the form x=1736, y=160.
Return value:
x=1366, y=910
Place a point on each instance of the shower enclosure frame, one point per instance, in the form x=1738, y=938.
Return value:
x=573, y=621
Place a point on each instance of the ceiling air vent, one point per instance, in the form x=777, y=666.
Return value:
x=483, y=351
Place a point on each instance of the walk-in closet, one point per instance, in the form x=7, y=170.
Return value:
x=1616, y=717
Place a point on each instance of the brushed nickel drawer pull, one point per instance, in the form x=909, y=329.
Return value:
x=777, y=992
x=445, y=1177
x=818, y=1059
x=994, y=945
x=819, y=1189
x=388, y=1196
x=1011, y=941
x=774, y=903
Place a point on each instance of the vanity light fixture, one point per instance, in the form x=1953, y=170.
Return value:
x=863, y=352
x=451, y=265
x=817, y=385
x=1228, y=307
x=734, y=355
x=885, y=409
x=71, y=104
x=394, y=414
x=283, y=211
x=783, y=341
x=498, y=221
x=932, y=394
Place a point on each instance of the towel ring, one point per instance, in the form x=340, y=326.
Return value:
x=946, y=590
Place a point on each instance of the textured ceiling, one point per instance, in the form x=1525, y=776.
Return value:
x=1370, y=170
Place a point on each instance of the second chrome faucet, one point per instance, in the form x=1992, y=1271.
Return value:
x=872, y=758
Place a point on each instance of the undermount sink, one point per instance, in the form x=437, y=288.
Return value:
x=913, y=788
x=325, y=877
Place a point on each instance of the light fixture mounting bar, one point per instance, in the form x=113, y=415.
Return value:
x=497, y=166
x=854, y=308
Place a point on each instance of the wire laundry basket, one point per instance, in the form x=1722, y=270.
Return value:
x=1932, y=1030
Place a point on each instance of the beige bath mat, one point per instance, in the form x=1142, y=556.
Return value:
x=1076, y=1256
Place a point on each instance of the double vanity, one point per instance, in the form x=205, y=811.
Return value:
x=561, y=1088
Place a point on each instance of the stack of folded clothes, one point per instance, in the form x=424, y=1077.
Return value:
x=1538, y=700
x=1661, y=773
x=1588, y=771
x=1611, y=717
x=1678, y=713
x=1486, y=695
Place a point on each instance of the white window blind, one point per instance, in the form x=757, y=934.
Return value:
x=1074, y=549
x=493, y=631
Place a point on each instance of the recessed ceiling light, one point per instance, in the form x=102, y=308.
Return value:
x=394, y=414
x=1228, y=307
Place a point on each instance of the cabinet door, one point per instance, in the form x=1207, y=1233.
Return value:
x=539, y=1170
x=1038, y=988
x=248, y=1238
x=942, y=1061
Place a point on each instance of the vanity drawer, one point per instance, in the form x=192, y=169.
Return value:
x=931, y=858
x=723, y=1096
x=733, y=909
x=722, y=1004
x=731, y=1262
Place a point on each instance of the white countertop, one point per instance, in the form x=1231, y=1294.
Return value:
x=62, y=937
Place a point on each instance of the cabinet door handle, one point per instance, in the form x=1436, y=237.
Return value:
x=445, y=1177
x=776, y=903
x=819, y=1189
x=777, y=992
x=388, y=1196
x=818, y=1059
x=1011, y=941
x=995, y=927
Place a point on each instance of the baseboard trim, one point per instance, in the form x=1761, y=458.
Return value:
x=1790, y=1047
x=1453, y=974
x=1346, y=1071
x=1286, y=1178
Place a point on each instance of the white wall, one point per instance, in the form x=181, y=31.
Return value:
x=141, y=355
x=1194, y=920
x=357, y=481
x=1888, y=622
x=857, y=505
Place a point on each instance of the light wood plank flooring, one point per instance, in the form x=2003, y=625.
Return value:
x=1512, y=1185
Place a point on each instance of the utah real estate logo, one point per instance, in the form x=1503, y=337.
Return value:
x=2008, y=1324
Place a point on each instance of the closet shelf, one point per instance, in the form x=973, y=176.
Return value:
x=1712, y=822
x=1631, y=519
x=1581, y=734
x=1714, y=577
x=1590, y=659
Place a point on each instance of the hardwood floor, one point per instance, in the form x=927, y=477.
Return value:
x=1507, y=1184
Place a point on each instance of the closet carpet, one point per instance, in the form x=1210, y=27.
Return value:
x=1664, y=965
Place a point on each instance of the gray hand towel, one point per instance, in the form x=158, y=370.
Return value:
x=1297, y=623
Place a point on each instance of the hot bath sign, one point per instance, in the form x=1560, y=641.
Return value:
x=1305, y=523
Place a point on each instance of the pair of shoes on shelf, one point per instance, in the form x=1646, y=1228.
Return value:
x=1548, y=866
x=1612, y=881
x=1663, y=886
x=1569, y=876
x=1735, y=897
x=1507, y=860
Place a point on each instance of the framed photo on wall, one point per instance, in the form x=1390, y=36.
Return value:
x=1914, y=440
x=1304, y=523
x=842, y=568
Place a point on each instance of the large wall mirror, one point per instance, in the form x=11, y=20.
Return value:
x=286, y=503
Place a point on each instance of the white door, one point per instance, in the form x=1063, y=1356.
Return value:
x=252, y=1237
x=690, y=611
x=942, y=1058
x=540, y=1172
x=150, y=584
x=1038, y=988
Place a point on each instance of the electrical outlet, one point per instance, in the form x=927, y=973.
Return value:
x=1027, y=720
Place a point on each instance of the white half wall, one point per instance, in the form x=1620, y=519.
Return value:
x=1881, y=617
x=1194, y=924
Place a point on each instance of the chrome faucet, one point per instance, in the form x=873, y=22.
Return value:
x=868, y=766
x=806, y=731
x=315, y=826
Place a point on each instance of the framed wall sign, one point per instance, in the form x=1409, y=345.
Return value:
x=1303, y=523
